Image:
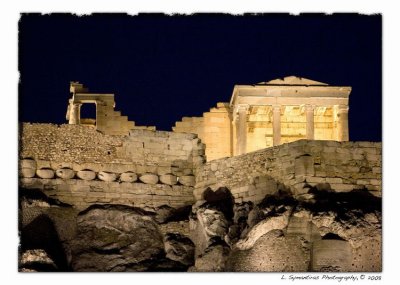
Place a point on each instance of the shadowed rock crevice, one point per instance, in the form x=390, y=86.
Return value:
x=41, y=234
x=221, y=200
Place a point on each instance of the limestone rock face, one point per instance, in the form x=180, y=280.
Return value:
x=65, y=173
x=86, y=174
x=45, y=173
x=208, y=226
x=128, y=177
x=213, y=260
x=187, y=180
x=116, y=238
x=179, y=248
x=107, y=176
x=149, y=178
x=168, y=179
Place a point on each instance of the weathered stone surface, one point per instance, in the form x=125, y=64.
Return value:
x=28, y=163
x=65, y=173
x=187, y=180
x=87, y=145
x=116, y=238
x=272, y=252
x=107, y=176
x=179, y=248
x=27, y=172
x=213, y=260
x=86, y=174
x=168, y=179
x=273, y=223
x=149, y=178
x=45, y=173
x=209, y=225
x=128, y=177
x=36, y=258
x=331, y=256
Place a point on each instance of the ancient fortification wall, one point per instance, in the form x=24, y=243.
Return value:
x=339, y=166
x=81, y=166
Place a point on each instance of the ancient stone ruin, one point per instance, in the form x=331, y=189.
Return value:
x=268, y=182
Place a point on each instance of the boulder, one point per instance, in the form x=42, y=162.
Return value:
x=107, y=176
x=187, y=180
x=149, y=178
x=168, y=179
x=46, y=173
x=128, y=177
x=179, y=248
x=116, y=238
x=65, y=173
x=86, y=174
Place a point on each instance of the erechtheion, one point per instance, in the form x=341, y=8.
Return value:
x=271, y=113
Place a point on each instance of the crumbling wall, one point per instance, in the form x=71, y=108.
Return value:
x=81, y=166
x=296, y=166
x=214, y=129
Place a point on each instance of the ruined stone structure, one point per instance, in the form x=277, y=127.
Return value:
x=271, y=113
x=107, y=120
x=287, y=192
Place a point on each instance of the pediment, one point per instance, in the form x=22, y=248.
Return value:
x=293, y=80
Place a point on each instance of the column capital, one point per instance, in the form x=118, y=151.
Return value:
x=310, y=107
x=276, y=107
x=343, y=109
x=242, y=107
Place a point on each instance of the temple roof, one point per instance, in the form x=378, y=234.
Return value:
x=292, y=80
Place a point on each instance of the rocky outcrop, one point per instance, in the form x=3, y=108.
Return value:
x=318, y=231
x=179, y=248
x=116, y=238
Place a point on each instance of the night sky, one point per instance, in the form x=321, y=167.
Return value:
x=162, y=68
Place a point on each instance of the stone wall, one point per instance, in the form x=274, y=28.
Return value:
x=82, y=193
x=296, y=166
x=82, y=144
x=81, y=166
x=214, y=129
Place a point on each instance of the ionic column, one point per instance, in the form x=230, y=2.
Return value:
x=343, y=123
x=310, y=122
x=241, y=129
x=276, y=124
x=74, y=114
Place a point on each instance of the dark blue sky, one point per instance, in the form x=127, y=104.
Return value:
x=162, y=68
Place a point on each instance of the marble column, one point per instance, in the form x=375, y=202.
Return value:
x=276, y=124
x=241, y=129
x=309, y=122
x=343, y=123
x=74, y=114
